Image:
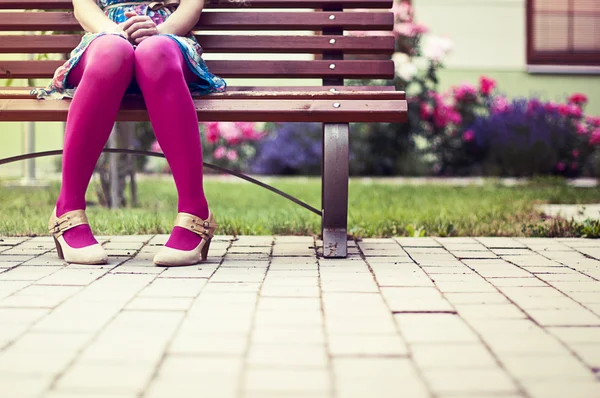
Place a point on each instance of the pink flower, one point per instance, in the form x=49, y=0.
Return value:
x=486, y=85
x=402, y=11
x=595, y=137
x=561, y=166
x=232, y=155
x=212, y=131
x=220, y=152
x=156, y=147
x=426, y=111
x=575, y=111
x=465, y=92
x=582, y=129
x=593, y=121
x=454, y=117
x=575, y=153
x=469, y=136
x=564, y=109
x=578, y=99
x=500, y=105
x=230, y=132
x=249, y=131
x=550, y=106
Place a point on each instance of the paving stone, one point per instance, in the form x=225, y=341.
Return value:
x=72, y=277
x=98, y=377
x=296, y=335
x=160, y=303
x=565, y=317
x=476, y=298
x=279, y=355
x=40, y=296
x=565, y=367
x=27, y=273
x=518, y=282
x=556, y=389
x=173, y=287
x=24, y=387
x=469, y=381
x=384, y=345
x=379, y=377
x=221, y=344
x=283, y=380
x=452, y=356
x=434, y=328
x=574, y=335
x=589, y=354
x=37, y=364
x=490, y=311
x=415, y=300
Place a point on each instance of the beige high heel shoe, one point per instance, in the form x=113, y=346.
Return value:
x=93, y=254
x=169, y=257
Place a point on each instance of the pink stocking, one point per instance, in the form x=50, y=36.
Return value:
x=161, y=73
x=101, y=76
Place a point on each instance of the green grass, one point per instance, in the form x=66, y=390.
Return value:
x=376, y=209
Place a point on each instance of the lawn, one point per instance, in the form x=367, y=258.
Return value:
x=376, y=209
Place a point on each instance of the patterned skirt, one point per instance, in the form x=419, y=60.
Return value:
x=207, y=83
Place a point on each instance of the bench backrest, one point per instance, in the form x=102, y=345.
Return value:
x=258, y=25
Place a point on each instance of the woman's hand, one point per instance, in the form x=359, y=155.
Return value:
x=138, y=27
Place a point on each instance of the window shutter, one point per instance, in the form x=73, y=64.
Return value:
x=565, y=32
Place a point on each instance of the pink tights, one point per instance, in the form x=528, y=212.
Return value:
x=102, y=77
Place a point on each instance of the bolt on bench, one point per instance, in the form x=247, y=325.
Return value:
x=330, y=103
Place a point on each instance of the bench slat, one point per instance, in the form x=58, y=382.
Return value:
x=67, y=4
x=237, y=69
x=219, y=44
x=348, y=93
x=246, y=20
x=267, y=110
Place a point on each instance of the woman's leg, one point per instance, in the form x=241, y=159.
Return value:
x=161, y=73
x=101, y=76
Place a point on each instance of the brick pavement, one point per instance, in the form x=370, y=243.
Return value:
x=266, y=317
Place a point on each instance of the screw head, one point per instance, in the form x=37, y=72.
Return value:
x=337, y=105
x=333, y=90
x=332, y=41
x=332, y=66
x=332, y=17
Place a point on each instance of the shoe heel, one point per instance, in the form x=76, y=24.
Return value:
x=59, y=249
x=204, y=251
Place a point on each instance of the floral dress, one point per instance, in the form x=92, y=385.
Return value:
x=190, y=48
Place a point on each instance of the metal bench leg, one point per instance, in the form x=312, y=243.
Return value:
x=335, y=189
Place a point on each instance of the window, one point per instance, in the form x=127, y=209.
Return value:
x=563, y=32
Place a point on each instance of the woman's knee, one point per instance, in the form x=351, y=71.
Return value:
x=157, y=57
x=110, y=56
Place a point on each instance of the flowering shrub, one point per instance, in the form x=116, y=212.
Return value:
x=228, y=144
x=295, y=148
x=475, y=130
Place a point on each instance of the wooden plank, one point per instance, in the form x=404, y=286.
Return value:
x=220, y=44
x=247, y=20
x=343, y=111
x=25, y=92
x=237, y=69
x=266, y=93
x=67, y=4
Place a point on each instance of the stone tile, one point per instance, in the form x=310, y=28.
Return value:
x=556, y=389
x=574, y=335
x=203, y=271
x=564, y=367
x=517, y=282
x=367, y=345
x=98, y=377
x=476, y=298
x=40, y=296
x=221, y=344
x=160, y=303
x=565, y=317
x=72, y=277
x=283, y=380
x=173, y=287
x=490, y=311
x=416, y=300
x=426, y=328
x=24, y=387
x=452, y=356
x=10, y=287
x=589, y=354
x=27, y=273
x=469, y=381
x=290, y=291
x=377, y=377
x=50, y=343
x=34, y=365
x=280, y=355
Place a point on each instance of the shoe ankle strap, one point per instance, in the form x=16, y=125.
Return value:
x=71, y=219
x=205, y=228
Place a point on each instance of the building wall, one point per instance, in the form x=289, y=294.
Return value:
x=489, y=38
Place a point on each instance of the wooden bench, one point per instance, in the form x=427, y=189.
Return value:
x=330, y=102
